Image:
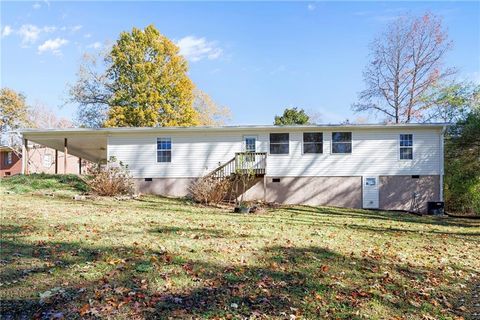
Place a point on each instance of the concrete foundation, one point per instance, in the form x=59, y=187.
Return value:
x=396, y=192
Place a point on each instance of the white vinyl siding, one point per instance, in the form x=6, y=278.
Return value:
x=374, y=153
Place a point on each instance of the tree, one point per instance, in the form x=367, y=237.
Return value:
x=451, y=102
x=292, y=116
x=209, y=113
x=13, y=110
x=462, y=164
x=42, y=117
x=141, y=81
x=150, y=82
x=406, y=64
x=93, y=90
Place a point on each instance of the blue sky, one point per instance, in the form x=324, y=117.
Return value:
x=254, y=57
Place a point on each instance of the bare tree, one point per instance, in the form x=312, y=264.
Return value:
x=209, y=112
x=92, y=90
x=406, y=62
x=42, y=117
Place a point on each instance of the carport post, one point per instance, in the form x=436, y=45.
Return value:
x=65, y=154
x=25, y=156
x=264, y=188
x=56, y=161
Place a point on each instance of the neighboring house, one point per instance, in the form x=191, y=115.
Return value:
x=392, y=167
x=41, y=159
x=10, y=162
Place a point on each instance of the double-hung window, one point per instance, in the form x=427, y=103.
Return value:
x=406, y=146
x=312, y=142
x=279, y=143
x=164, y=150
x=341, y=142
x=47, y=160
x=9, y=158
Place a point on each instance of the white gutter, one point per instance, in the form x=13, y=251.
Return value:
x=442, y=159
x=227, y=128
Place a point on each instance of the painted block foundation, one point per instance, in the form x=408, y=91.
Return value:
x=395, y=192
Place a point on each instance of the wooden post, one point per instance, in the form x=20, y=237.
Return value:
x=56, y=161
x=80, y=166
x=25, y=156
x=65, y=154
x=264, y=188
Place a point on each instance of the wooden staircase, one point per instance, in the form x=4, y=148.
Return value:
x=243, y=162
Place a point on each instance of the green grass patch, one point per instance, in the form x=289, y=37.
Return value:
x=43, y=182
x=158, y=258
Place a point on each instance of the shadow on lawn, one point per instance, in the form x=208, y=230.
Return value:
x=311, y=281
x=316, y=212
x=193, y=233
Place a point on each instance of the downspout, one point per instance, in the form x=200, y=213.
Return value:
x=23, y=156
x=442, y=159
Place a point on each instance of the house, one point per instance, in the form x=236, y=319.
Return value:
x=10, y=162
x=41, y=159
x=391, y=167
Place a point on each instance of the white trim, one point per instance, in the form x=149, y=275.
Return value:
x=303, y=144
x=278, y=154
x=156, y=150
x=442, y=159
x=244, y=144
x=399, y=146
x=338, y=127
x=340, y=153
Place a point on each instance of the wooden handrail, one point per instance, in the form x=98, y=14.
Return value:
x=256, y=161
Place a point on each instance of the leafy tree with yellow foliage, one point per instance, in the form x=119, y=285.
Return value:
x=149, y=81
x=13, y=110
x=140, y=81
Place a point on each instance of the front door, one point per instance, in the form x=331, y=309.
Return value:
x=370, y=192
x=251, y=144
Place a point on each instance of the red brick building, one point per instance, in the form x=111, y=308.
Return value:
x=40, y=160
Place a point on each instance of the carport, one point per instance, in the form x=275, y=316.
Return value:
x=86, y=144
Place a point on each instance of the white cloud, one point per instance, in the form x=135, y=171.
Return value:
x=95, y=45
x=52, y=45
x=36, y=6
x=49, y=29
x=311, y=7
x=87, y=35
x=7, y=30
x=196, y=49
x=76, y=28
x=30, y=33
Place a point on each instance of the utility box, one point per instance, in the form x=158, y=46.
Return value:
x=436, y=207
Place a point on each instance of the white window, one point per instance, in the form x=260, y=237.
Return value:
x=341, y=142
x=164, y=150
x=279, y=143
x=47, y=160
x=9, y=158
x=406, y=146
x=250, y=144
x=312, y=142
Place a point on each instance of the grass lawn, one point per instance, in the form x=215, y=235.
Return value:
x=158, y=258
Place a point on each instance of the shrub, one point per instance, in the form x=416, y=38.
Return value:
x=111, y=180
x=209, y=190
